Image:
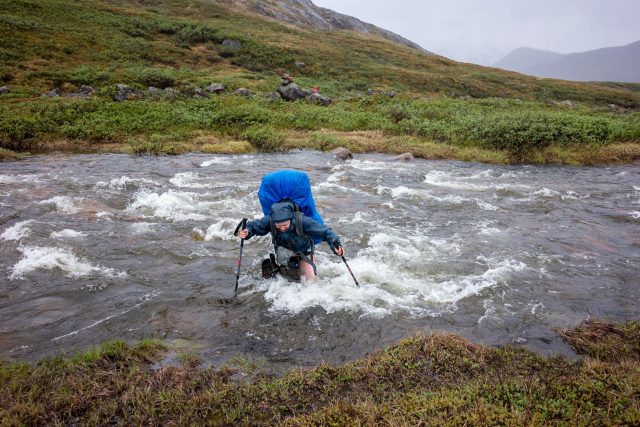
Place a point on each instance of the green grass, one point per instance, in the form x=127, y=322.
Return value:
x=178, y=43
x=432, y=380
x=437, y=128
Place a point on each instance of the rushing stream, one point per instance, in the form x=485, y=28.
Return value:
x=103, y=247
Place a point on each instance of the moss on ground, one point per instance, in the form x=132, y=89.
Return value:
x=423, y=380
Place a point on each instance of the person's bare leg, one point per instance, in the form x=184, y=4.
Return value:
x=306, y=271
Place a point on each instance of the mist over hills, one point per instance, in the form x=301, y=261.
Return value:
x=615, y=64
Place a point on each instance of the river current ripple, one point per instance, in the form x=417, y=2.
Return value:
x=103, y=247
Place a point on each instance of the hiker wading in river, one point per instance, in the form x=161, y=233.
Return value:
x=293, y=236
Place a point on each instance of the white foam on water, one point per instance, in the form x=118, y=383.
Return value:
x=359, y=217
x=546, y=192
x=636, y=188
x=371, y=165
x=124, y=183
x=394, y=274
x=221, y=230
x=49, y=258
x=486, y=206
x=489, y=310
x=413, y=193
x=19, y=179
x=635, y=214
x=143, y=227
x=216, y=161
x=17, y=231
x=193, y=180
x=318, y=189
x=485, y=228
x=444, y=179
x=383, y=290
x=535, y=308
x=67, y=234
x=173, y=205
x=64, y=204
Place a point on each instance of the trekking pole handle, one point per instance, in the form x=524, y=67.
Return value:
x=242, y=225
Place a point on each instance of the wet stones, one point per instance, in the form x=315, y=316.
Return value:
x=342, y=153
x=4, y=89
x=404, y=157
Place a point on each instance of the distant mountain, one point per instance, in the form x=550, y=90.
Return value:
x=522, y=59
x=616, y=64
x=305, y=14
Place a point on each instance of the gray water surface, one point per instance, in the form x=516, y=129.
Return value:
x=103, y=247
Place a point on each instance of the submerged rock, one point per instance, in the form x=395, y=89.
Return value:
x=342, y=153
x=404, y=157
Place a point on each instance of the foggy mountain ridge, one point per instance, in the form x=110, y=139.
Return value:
x=304, y=13
x=618, y=64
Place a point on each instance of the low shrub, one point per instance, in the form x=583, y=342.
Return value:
x=264, y=138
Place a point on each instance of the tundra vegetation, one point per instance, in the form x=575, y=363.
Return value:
x=423, y=380
x=443, y=109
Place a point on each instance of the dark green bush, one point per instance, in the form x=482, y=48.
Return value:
x=194, y=33
x=263, y=137
x=148, y=76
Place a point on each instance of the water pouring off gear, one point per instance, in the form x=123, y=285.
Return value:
x=294, y=224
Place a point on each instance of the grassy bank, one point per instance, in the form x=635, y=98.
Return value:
x=430, y=380
x=444, y=109
x=488, y=130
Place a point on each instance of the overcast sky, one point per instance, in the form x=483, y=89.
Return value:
x=483, y=31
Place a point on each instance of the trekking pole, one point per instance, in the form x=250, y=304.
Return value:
x=348, y=268
x=242, y=225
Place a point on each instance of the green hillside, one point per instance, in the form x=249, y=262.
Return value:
x=443, y=109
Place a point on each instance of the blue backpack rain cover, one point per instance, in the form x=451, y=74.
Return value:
x=287, y=184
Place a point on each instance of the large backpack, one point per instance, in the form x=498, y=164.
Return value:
x=289, y=185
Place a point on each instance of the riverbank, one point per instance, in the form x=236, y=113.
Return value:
x=435, y=380
x=498, y=131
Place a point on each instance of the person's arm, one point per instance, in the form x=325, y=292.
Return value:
x=316, y=229
x=258, y=227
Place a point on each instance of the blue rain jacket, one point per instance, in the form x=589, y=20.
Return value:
x=292, y=185
x=289, y=239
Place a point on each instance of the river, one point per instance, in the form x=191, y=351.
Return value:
x=104, y=247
